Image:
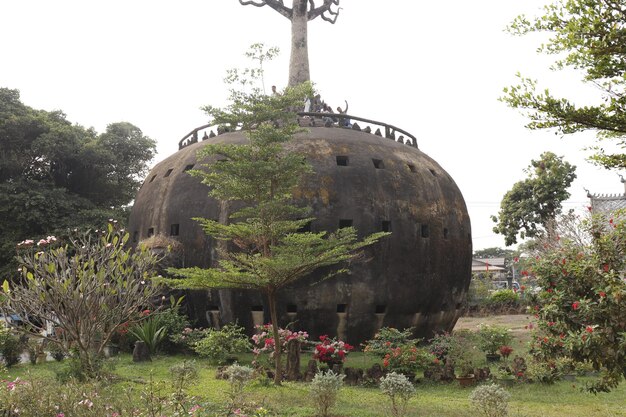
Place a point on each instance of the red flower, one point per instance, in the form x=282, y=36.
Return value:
x=589, y=329
x=602, y=294
x=605, y=267
x=525, y=273
x=575, y=305
x=589, y=208
x=516, y=259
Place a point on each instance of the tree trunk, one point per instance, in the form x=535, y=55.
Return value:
x=278, y=371
x=299, y=60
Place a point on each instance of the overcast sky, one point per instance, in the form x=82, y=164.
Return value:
x=435, y=69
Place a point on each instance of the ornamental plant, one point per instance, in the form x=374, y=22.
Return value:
x=389, y=337
x=263, y=340
x=324, y=391
x=330, y=350
x=399, y=390
x=491, y=338
x=219, y=345
x=408, y=359
x=490, y=400
x=581, y=308
x=85, y=287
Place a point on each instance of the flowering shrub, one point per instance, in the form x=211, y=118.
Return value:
x=441, y=344
x=580, y=311
x=331, y=350
x=490, y=400
x=264, y=342
x=388, y=337
x=408, y=359
x=324, y=390
x=505, y=351
x=10, y=347
x=399, y=390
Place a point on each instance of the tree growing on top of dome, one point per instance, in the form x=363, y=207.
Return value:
x=257, y=180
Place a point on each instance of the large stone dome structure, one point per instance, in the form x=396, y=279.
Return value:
x=416, y=277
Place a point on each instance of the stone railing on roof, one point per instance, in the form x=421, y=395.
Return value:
x=329, y=120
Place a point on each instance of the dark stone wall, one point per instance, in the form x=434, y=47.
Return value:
x=417, y=277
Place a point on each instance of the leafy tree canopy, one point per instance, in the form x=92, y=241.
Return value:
x=55, y=175
x=590, y=36
x=531, y=204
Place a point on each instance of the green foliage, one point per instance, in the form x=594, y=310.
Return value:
x=479, y=290
x=491, y=338
x=399, y=390
x=490, y=400
x=389, y=337
x=56, y=176
x=174, y=323
x=324, y=390
x=10, y=347
x=85, y=288
x=532, y=203
x=408, y=359
x=151, y=331
x=503, y=299
x=589, y=37
x=581, y=310
x=238, y=378
x=261, y=176
x=219, y=345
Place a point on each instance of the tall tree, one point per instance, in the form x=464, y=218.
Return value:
x=531, y=204
x=590, y=36
x=56, y=175
x=299, y=14
x=269, y=249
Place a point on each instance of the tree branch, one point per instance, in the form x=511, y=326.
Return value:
x=323, y=9
x=277, y=5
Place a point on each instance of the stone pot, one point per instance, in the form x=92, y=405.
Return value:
x=466, y=380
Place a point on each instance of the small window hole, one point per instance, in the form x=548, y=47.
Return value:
x=153, y=178
x=305, y=228
x=135, y=236
x=169, y=171
x=342, y=161
x=411, y=167
x=213, y=308
x=378, y=163
x=257, y=308
x=151, y=231
x=445, y=232
x=292, y=308
x=381, y=309
x=174, y=230
x=342, y=308
x=425, y=230
x=432, y=171
x=386, y=226
x=343, y=223
x=189, y=167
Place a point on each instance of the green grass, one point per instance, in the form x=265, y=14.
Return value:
x=291, y=399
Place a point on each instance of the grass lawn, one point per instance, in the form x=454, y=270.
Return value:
x=445, y=400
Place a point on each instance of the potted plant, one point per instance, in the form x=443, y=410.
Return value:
x=331, y=351
x=491, y=338
x=460, y=355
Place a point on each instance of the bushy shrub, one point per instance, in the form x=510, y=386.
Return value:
x=491, y=338
x=218, y=345
x=478, y=293
x=504, y=299
x=324, y=391
x=408, y=359
x=389, y=337
x=490, y=400
x=441, y=344
x=174, y=322
x=10, y=347
x=238, y=378
x=546, y=372
x=399, y=390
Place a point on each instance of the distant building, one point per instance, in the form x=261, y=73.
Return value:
x=493, y=266
x=607, y=203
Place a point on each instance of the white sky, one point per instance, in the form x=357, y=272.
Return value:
x=432, y=68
